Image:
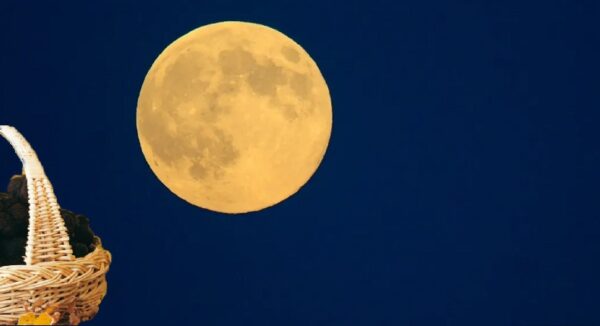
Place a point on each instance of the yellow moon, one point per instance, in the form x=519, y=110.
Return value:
x=234, y=117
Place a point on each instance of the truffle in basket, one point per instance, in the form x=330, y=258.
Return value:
x=14, y=220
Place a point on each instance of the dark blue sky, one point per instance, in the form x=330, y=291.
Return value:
x=460, y=186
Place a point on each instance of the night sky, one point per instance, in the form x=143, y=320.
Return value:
x=460, y=186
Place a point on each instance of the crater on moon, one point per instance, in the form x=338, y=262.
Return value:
x=214, y=153
x=265, y=78
x=236, y=61
x=234, y=117
x=290, y=54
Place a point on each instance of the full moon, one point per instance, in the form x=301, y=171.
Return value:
x=234, y=117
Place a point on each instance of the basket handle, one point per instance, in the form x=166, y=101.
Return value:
x=47, y=238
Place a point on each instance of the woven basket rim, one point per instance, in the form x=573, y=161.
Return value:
x=97, y=251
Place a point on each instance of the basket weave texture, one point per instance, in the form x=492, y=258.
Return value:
x=51, y=274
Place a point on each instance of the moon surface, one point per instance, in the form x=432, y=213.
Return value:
x=234, y=117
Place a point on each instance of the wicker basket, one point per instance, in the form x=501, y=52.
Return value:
x=51, y=275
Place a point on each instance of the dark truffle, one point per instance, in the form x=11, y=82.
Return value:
x=17, y=187
x=14, y=220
